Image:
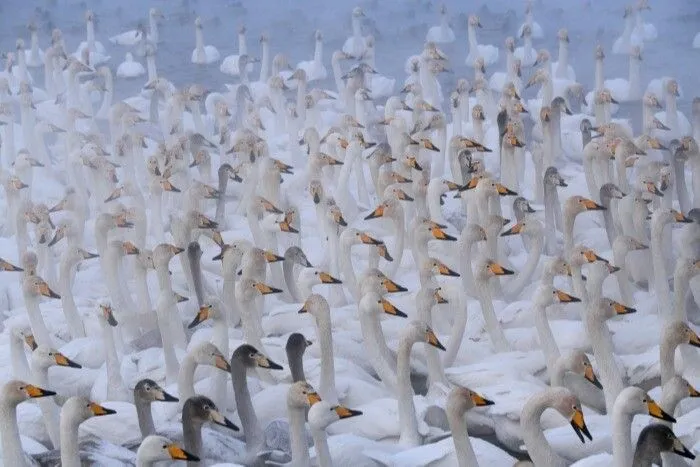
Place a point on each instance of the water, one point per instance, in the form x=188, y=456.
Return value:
x=398, y=26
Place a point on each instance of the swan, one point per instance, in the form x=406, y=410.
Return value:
x=321, y=415
x=155, y=449
x=205, y=353
x=536, y=28
x=147, y=391
x=526, y=54
x=564, y=402
x=552, y=208
x=484, y=270
x=488, y=52
x=654, y=440
x=441, y=34
x=136, y=36
x=75, y=411
x=562, y=69
x=230, y=64
x=34, y=57
x=130, y=68
x=203, y=54
x=629, y=37
x=533, y=230
x=13, y=393
x=91, y=49
x=315, y=70
x=355, y=45
x=630, y=89
x=573, y=206
x=301, y=395
x=32, y=288
x=197, y=411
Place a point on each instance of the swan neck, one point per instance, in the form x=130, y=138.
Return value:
x=246, y=412
x=192, y=436
x=12, y=452
x=621, y=435
x=539, y=449
x=599, y=80
x=325, y=339
x=407, y=409
x=318, y=52
x=460, y=436
x=323, y=454
x=185, y=378
x=547, y=341
x=70, y=456
x=297, y=435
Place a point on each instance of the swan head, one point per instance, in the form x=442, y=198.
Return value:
x=19, y=45
x=156, y=448
x=200, y=409
x=526, y=32
x=44, y=357
x=510, y=44
x=198, y=23
x=548, y=295
x=480, y=65
x=419, y=331
x=643, y=5
x=78, y=409
x=487, y=268
x=251, y=288
x=474, y=21
x=568, y=405
x=478, y=113
x=599, y=52
x=264, y=38
x=552, y=177
x=636, y=53
x=29, y=262
x=302, y=395
x=314, y=303
x=540, y=76
x=32, y=26
x=35, y=286
x=462, y=399
x=323, y=413
x=529, y=226
x=557, y=266
x=577, y=204
x=559, y=103
x=671, y=87
x=357, y=12
x=610, y=191
x=679, y=332
x=472, y=233
x=604, y=96
x=156, y=13
x=15, y=391
x=296, y=254
x=633, y=400
x=339, y=55
x=207, y=353
x=318, y=35
x=664, y=216
x=608, y=308
x=89, y=16
x=581, y=255
x=163, y=253
x=542, y=57
x=578, y=362
x=435, y=266
x=662, y=439
x=250, y=357
x=563, y=35
x=313, y=276
x=296, y=346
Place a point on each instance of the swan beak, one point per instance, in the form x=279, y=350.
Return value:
x=339, y=219
x=44, y=289
x=163, y=396
x=471, y=184
x=498, y=270
x=180, y=298
x=202, y=315
x=5, y=266
x=503, y=191
x=392, y=287
x=654, y=143
x=432, y=339
x=270, y=257
x=221, y=363
x=35, y=391
x=564, y=297
x=287, y=227
x=344, y=412
x=480, y=401
x=175, y=250
x=390, y=309
x=219, y=419
x=621, y=309
x=590, y=375
x=694, y=339
x=591, y=205
x=367, y=240
x=439, y=299
x=116, y=194
x=168, y=186
x=681, y=450
x=269, y=207
x=304, y=308
x=177, y=453
x=87, y=255
x=613, y=100
x=692, y=392
x=30, y=341
x=57, y=236
x=130, y=248
x=657, y=412
x=313, y=398
x=265, y=289
x=108, y=315
x=203, y=222
x=579, y=425
x=591, y=256
x=612, y=269
x=282, y=167
x=443, y=270
x=651, y=188
x=263, y=362
x=681, y=218
x=62, y=360
x=427, y=144
x=403, y=196
x=383, y=251
x=121, y=221
x=516, y=229
x=59, y=206
x=328, y=279
x=452, y=186
x=440, y=234
x=98, y=410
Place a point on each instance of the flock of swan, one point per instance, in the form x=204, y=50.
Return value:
x=377, y=273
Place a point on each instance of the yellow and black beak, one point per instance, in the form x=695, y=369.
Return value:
x=108, y=315
x=163, y=396
x=591, y=205
x=403, y=196
x=179, y=454
x=339, y=219
x=6, y=266
x=681, y=450
x=201, y=316
x=681, y=218
x=57, y=236
x=121, y=221
x=116, y=194
x=515, y=230
x=657, y=412
x=692, y=392
x=432, y=339
x=480, y=401
x=383, y=251
x=205, y=223
x=427, y=144
x=175, y=250
x=265, y=289
x=263, y=362
x=219, y=419
x=503, y=191
x=287, y=227
x=378, y=212
x=270, y=257
x=694, y=339
x=443, y=270
x=130, y=248
x=440, y=234
x=313, y=398
x=326, y=278
x=221, y=363
x=471, y=184
x=167, y=185
x=612, y=269
x=344, y=412
x=35, y=391
x=439, y=299
x=367, y=240
x=30, y=341
x=498, y=270
x=269, y=207
x=392, y=287
x=590, y=375
x=579, y=425
x=62, y=360
x=98, y=410
x=390, y=309
x=621, y=309
x=564, y=297
x=591, y=256
x=44, y=289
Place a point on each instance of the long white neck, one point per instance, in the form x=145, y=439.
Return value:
x=562, y=70
x=199, y=41
x=465, y=271
x=667, y=352
x=115, y=388
x=151, y=67
x=20, y=367
x=400, y=234
x=458, y=306
x=376, y=342
x=325, y=338
x=599, y=80
x=265, y=62
x=619, y=255
x=337, y=76
x=49, y=409
x=323, y=454
x=12, y=453
x=41, y=332
x=318, y=52
x=659, y=262
x=75, y=324
x=356, y=28
x=460, y=436
x=433, y=199
x=546, y=338
x=539, y=449
x=671, y=111
x=106, y=105
x=165, y=303
x=471, y=36
x=70, y=455
x=493, y=327
x=297, y=435
x=622, y=433
x=91, y=36
x=547, y=91
x=346, y=267
x=185, y=379
x=407, y=410
x=601, y=341
x=635, y=86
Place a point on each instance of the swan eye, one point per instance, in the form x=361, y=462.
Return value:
x=252, y=355
x=206, y=407
x=165, y=446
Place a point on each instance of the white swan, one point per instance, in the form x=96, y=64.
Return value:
x=203, y=54
x=488, y=52
x=443, y=33
x=135, y=36
x=130, y=68
x=315, y=70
